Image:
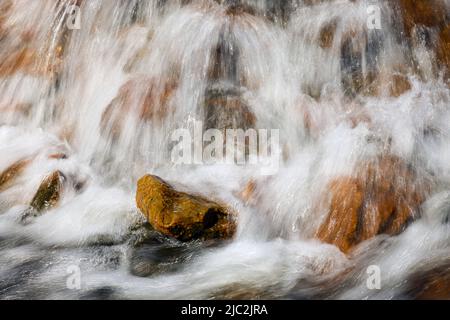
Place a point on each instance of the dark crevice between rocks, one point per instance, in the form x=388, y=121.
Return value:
x=211, y=218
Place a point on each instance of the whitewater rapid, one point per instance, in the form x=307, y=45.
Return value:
x=283, y=74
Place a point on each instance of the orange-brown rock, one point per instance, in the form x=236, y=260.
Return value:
x=428, y=13
x=326, y=35
x=19, y=60
x=248, y=194
x=431, y=284
x=443, y=50
x=31, y=61
x=228, y=112
x=382, y=198
x=27, y=52
x=12, y=172
x=181, y=215
x=421, y=20
x=49, y=192
x=399, y=85
x=393, y=83
x=224, y=107
x=147, y=99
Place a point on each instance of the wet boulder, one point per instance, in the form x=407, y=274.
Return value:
x=37, y=52
x=399, y=84
x=392, y=83
x=19, y=60
x=225, y=109
x=426, y=22
x=144, y=98
x=383, y=197
x=30, y=58
x=425, y=13
x=13, y=112
x=433, y=283
x=252, y=194
x=5, y=9
x=327, y=34
x=182, y=215
x=46, y=197
x=8, y=176
x=248, y=195
x=49, y=192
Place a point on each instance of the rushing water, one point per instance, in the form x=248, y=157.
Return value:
x=273, y=56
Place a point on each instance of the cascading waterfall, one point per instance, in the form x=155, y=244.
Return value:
x=98, y=105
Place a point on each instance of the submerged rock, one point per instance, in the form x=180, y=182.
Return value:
x=248, y=194
x=383, y=197
x=12, y=172
x=160, y=255
x=47, y=196
x=399, y=85
x=181, y=215
x=390, y=83
x=443, y=51
x=431, y=284
x=327, y=34
x=13, y=112
x=427, y=22
x=426, y=13
x=19, y=60
x=225, y=109
x=37, y=52
x=29, y=60
x=224, y=106
x=417, y=25
x=49, y=192
x=145, y=98
x=252, y=194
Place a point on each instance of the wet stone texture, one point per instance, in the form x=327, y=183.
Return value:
x=181, y=215
x=383, y=198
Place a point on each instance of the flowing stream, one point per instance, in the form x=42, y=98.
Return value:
x=70, y=102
